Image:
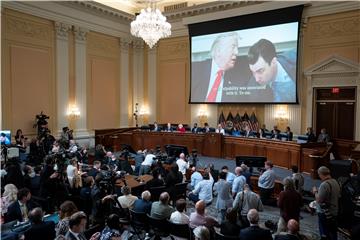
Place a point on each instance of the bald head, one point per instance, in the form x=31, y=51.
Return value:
x=238, y=171
x=200, y=207
x=164, y=198
x=293, y=226
x=253, y=216
x=182, y=155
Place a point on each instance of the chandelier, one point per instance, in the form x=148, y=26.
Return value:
x=150, y=25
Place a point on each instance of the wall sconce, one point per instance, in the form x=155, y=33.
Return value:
x=203, y=115
x=73, y=112
x=281, y=114
x=144, y=111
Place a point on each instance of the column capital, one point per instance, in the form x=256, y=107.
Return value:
x=124, y=44
x=80, y=34
x=62, y=30
x=138, y=44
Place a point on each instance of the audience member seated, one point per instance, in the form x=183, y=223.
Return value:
x=147, y=163
x=229, y=175
x=19, y=210
x=112, y=228
x=310, y=134
x=77, y=225
x=195, y=178
x=179, y=216
x=143, y=205
x=230, y=227
x=8, y=197
x=323, y=136
x=182, y=163
x=203, y=190
x=224, y=199
x=244, y=201
x=155, y=181
x=199, y=218
x=239, y=182
x=181, y=128
x=289, y=202
x=220, y=129
x=254, y=232
x=67, y=209
x=161, y=209
x=292, y=232
x=298, y=179
x=289, y=134
x=127, y=200
x=201, y=233
x=266, y=184
x=39, y=229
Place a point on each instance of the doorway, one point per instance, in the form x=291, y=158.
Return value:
x=335, y=111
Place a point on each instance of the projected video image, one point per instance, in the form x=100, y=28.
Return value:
x=250, y=65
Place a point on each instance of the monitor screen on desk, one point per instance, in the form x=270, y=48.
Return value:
x=251, y=161
x=175, y=150
x=5, y=137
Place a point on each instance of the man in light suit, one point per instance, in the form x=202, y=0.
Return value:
x=211, y=77
x=275, y=72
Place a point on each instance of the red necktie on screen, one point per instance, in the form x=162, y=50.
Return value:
x=213, y=92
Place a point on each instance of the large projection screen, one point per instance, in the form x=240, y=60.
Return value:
x=246, y=59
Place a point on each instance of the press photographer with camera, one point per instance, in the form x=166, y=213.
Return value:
x=66, y=136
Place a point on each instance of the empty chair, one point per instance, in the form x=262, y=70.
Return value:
x=139, y=222
x=180, y=230
x=155, y=192
x=160, y=227
x=179, y=191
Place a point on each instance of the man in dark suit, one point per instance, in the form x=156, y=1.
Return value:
x=157, y=128
x=77, y=224
x=195, y=129
x=95, y=170
x=254, y=232
x=212, y=79
x=19, y=210
x=39, y=229
x=275, y=72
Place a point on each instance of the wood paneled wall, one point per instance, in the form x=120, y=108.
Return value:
x=324, y=36
x=28, y=75
x=173, y=81
x=103, y=62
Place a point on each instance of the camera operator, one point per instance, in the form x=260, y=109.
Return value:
x=147, y=163
x=66, y=136
x=124, y=164
x=41, y=123
x=46, y=141
x=73, y=148
x=193, y=160
x=102, y=188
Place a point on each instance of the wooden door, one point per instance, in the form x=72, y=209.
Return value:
x=345, y=116
x=325, y=117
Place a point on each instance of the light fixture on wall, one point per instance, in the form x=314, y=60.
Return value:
x=73, y=112
x=203, y=114
x=281, y=114
x=144, y=111
x=150, y=25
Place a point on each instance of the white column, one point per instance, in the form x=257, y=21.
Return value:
x=124, y=81
x=62, y=74
x=152, y=83
x=80, y=82
x=138, y=75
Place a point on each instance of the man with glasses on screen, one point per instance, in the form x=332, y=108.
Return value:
x=210, y=76
x=277, y=72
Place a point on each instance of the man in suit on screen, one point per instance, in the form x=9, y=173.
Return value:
x=211, y=76
x=277, y=72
